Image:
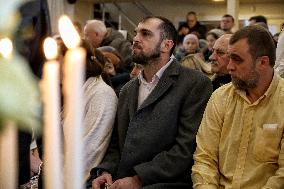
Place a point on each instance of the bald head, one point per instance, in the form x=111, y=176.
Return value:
x=223, y=41
x=219, y=57
x=94, y=32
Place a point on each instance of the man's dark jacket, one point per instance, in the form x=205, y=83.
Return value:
x=156, y=141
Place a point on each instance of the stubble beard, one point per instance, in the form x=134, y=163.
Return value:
x=249, y=83
x=145, y=59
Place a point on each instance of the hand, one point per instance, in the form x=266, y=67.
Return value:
x=109, y=68
x=35, y=161
x=127, y=183
x=101, y=180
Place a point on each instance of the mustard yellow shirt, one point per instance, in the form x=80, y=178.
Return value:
x=240, y=144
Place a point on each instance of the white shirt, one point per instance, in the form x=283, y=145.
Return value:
x=146, y=88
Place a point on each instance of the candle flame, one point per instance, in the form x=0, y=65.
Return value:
x=6, y=47
x=69, y=34
x=50, y=48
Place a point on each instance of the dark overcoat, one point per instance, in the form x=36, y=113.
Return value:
x=156, y=141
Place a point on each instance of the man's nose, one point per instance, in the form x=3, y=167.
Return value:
x=136, y=38
x=230, y=66
x=213, y=57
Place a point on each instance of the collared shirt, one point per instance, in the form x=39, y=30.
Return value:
x=240, y=144
x=146, y=88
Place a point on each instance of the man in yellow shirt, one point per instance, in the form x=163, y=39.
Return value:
x=240, y=140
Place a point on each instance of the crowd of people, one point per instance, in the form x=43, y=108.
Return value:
x=183, y=108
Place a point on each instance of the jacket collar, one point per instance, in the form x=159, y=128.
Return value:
x=166, y=81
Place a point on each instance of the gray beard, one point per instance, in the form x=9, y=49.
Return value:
x=248, y=84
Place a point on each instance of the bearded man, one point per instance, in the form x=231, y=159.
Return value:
x=240, y=140
x=158, y=116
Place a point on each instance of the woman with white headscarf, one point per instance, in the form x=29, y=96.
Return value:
x=193, y=59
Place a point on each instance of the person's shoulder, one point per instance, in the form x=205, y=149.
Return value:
x=194, y=80
x=192, y=74
x=115, y=34
x=226, y=88
x=196, y=57
x=223, y=96
x=183, y=24
x=106, y=90
x=112, y=37
x=131, y=83
x=225, y=91
x=128, y=86
x=189, y=56
x=201, y=25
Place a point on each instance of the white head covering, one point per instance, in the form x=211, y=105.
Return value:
x=191, y=36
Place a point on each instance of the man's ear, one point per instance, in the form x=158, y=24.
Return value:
x=167, y=45
x=264, y=60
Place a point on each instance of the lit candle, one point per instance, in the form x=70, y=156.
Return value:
x=6, y=48
x=74, y=69
x=8, y=137
x=52, y=133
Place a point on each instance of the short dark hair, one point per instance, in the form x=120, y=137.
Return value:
x=229, y=16
x=259, y=40
x=258, y=18
x=191, y=13
x=168, y=30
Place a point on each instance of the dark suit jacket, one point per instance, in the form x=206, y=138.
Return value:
x=157, y=140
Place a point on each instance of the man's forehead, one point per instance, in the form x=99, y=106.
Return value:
x=89, y=28
x=239, y=45
x=227, y=18
x=149, y=24
x=191, y=16
x=221, y=43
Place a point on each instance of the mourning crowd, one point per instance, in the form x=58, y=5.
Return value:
x=182, y=107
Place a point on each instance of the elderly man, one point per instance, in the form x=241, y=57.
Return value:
x=240, y=141
x=219, y=61
x=158, y=116
x=97, y=35
x=227, y=23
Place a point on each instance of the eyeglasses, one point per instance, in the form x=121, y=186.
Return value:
x=219, y=52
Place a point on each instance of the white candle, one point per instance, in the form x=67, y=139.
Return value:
x=53, y=169
x=8, y=156
x=8, y=138
x=74, y=74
